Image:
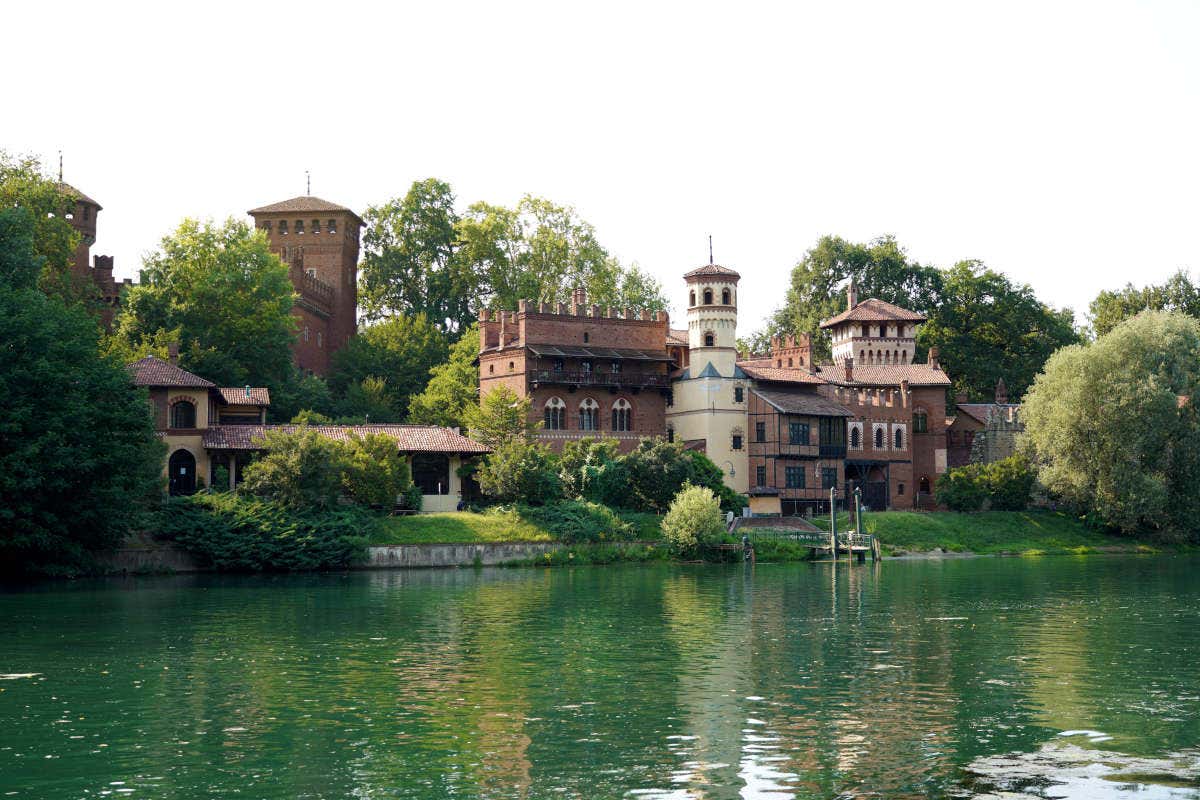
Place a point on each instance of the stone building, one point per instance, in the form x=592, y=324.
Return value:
x=589, y=371
x=206, y=427
x=983, y=432
x=319, y=242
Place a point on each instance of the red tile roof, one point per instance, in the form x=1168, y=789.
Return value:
x=876, y=375
x=304, y=203
x=153, y=371
x=712, y=270
x=779, y=375
x=875, y=310
x=79, y=196
x=259, y=396
x=678, y=336
x=408, y=438
x=799, y=401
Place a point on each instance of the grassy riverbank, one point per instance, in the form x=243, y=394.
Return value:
x=989, y=533
x=492, y=525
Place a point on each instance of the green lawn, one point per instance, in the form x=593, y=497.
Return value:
x=990, y=532
x=493, y=525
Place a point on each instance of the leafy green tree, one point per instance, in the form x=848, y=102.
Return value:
x=410, y=264
x=300, y=394
x=225, y=296
x=375, y=472
x=1110, y=308
x=300, y=469
x=453, y=386
x=656, y=469
x=817, y=291
x=987, y=328
x=582, y=463
x=520, y=470
x=366, y=401
x=694, y=518
x=78, y=455
x=400, y=351
x=1112, y=425
x=24, y=184
x=501, y=417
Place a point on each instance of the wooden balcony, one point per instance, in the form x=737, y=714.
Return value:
x=616, y=380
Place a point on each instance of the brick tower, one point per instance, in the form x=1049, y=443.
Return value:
x=106, y=290
x=318, y=240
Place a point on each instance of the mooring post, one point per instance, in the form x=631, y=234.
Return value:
x=858, y=526
x=833, y=523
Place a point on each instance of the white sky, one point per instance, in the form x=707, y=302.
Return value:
x=1058, y=142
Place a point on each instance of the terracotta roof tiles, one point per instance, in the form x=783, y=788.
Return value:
x=408, y=438
x=780, y=375
x=798, y=401
x=875, y=310
x=894, y=375
x=301, y=205
x=153, y=371
x=259, y=396
x=712, y=270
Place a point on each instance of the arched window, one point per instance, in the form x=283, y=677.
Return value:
x=183, y=414
x=622, y=415
x=879, y=438
x=708, y=297
x=898, y=439
x=710, y=339
x=855, y=438
x=181, y=473
x=589, y=415
x=555, y=415
x=691, y=298
x=920, y=421
x=725, y=297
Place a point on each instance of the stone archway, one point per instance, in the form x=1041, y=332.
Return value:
x=181, y=473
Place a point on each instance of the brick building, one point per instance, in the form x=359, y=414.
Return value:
x=99, y=271
x=589, y=371
x=319, y=241
x=983, y=432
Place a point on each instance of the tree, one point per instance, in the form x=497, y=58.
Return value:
x=399, y=351
x=375, y=473
x=1112, y=425
x=693, y=519
x=986, y=328
x=1110, y=309
x=224, y=296
x=880, y=269
x=501, y=417
x=453, y=386
x=78, y=457
x=582, y=464
x=300, y=469
x=24, y=184
x=300, y=394
x=366, y=401
x=409, y=260
x=519, y=470
x=656, y=469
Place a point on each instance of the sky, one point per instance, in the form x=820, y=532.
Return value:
x=1057, y=142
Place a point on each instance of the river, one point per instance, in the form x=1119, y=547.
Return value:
x=900, y=679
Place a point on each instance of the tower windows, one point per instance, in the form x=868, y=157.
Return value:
x=898, y=438
x=622, y=415
x=316, y=226
x=306, y=333
x=760, y=476
x=299, y=227
x=332, y=226
x=879, y=438
x=555, y=414
x=920, y=421
x=710, y=339
x=589, y=415
x=725, y=297
x=283, y=231
x=736, y=437
x=692, y=298
x=708, y=295
x=855, y=437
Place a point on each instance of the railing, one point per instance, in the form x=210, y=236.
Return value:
x=832, y=451
x=316, y=291
x=811, y=538
x=620, y=379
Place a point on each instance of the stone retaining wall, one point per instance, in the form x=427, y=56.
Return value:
x=453, y=555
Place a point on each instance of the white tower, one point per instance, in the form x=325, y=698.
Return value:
x=709, y=399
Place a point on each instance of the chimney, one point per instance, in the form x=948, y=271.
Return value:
x=1001, y=392
x=173, y=352
x=851, y=294
x=850, y=369
x=933, y=357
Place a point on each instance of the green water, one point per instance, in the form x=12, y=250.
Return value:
x=643, y=681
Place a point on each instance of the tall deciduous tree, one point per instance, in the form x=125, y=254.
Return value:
x=224, y=296
x=987, y=328
x=77, y=445
x=1111, y=308
x=453, y=386
x=399, y=350
x=1112, y=425
x=501, y=417
x=817, y=291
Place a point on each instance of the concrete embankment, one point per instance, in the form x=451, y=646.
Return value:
x=453, y=555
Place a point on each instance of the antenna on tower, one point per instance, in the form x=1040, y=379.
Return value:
x=710, y=255
x=60, y=166
x=307, y=183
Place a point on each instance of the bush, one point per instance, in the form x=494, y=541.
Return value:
x=235, y=533
x=520, y=471
x=582, y=464
x=693, y=519
x=413, y=499
x=373, y=472
x=299, y=469
x=580, y=521
x=1003, y=485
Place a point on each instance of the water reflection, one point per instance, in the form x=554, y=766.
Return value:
x=801, y=681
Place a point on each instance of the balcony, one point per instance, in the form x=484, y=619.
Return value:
x=615, y=380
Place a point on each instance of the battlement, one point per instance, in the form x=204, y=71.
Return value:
x=574, y=323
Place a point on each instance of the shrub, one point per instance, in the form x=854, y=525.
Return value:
x=413, y=499
x=1003, y=485
x=580, y=521
x=374, y=473
x=300, y=468
x=961, y=489
x=583, y=462
x=230, y=532
x=520, y=471
x=693, y=519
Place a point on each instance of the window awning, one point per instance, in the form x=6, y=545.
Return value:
x=602, y=353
